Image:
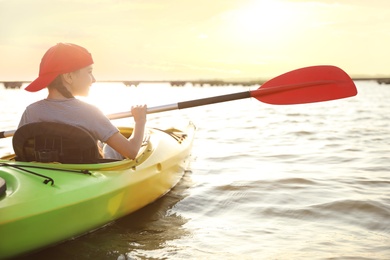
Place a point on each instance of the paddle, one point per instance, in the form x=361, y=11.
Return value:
x=305, y=85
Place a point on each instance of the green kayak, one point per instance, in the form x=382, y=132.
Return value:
x=45, y=203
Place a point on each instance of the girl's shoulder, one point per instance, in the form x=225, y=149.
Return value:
x=69, y=105
x=85, y=105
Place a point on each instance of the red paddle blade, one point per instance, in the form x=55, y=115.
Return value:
x=306, y=85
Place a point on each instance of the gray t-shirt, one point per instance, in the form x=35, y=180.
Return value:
x=73, y=112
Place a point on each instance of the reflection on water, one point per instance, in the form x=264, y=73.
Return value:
x=266, y=182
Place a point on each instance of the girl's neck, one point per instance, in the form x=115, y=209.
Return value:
x=55, y=94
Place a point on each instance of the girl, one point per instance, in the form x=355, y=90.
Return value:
x=66, y=70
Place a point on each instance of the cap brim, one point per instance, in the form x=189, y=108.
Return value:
x=41, y=82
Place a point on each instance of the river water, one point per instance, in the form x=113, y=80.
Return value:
x=265, y=182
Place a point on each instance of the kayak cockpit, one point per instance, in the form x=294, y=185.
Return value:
x=39, y=151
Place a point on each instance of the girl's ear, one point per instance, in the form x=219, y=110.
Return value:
x=67, y=78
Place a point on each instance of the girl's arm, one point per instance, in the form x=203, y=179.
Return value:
x=129, y=147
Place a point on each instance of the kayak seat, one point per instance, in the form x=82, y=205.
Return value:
x=54, y=142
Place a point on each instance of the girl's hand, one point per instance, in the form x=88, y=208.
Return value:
x=139, y=113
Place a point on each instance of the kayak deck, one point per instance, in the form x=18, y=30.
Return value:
x=72, y=199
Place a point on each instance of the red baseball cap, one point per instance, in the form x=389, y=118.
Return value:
x=59, y=59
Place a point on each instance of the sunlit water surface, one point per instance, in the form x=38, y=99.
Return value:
x=266, y=182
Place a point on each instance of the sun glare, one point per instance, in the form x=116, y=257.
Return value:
x=262, y=16
x=269, y=18
x=267, y=31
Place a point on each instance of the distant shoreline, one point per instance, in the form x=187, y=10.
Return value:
x=178, y=83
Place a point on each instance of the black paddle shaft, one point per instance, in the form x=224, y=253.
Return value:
x=213, y=100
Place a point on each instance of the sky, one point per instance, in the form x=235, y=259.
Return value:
x=198, y=39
